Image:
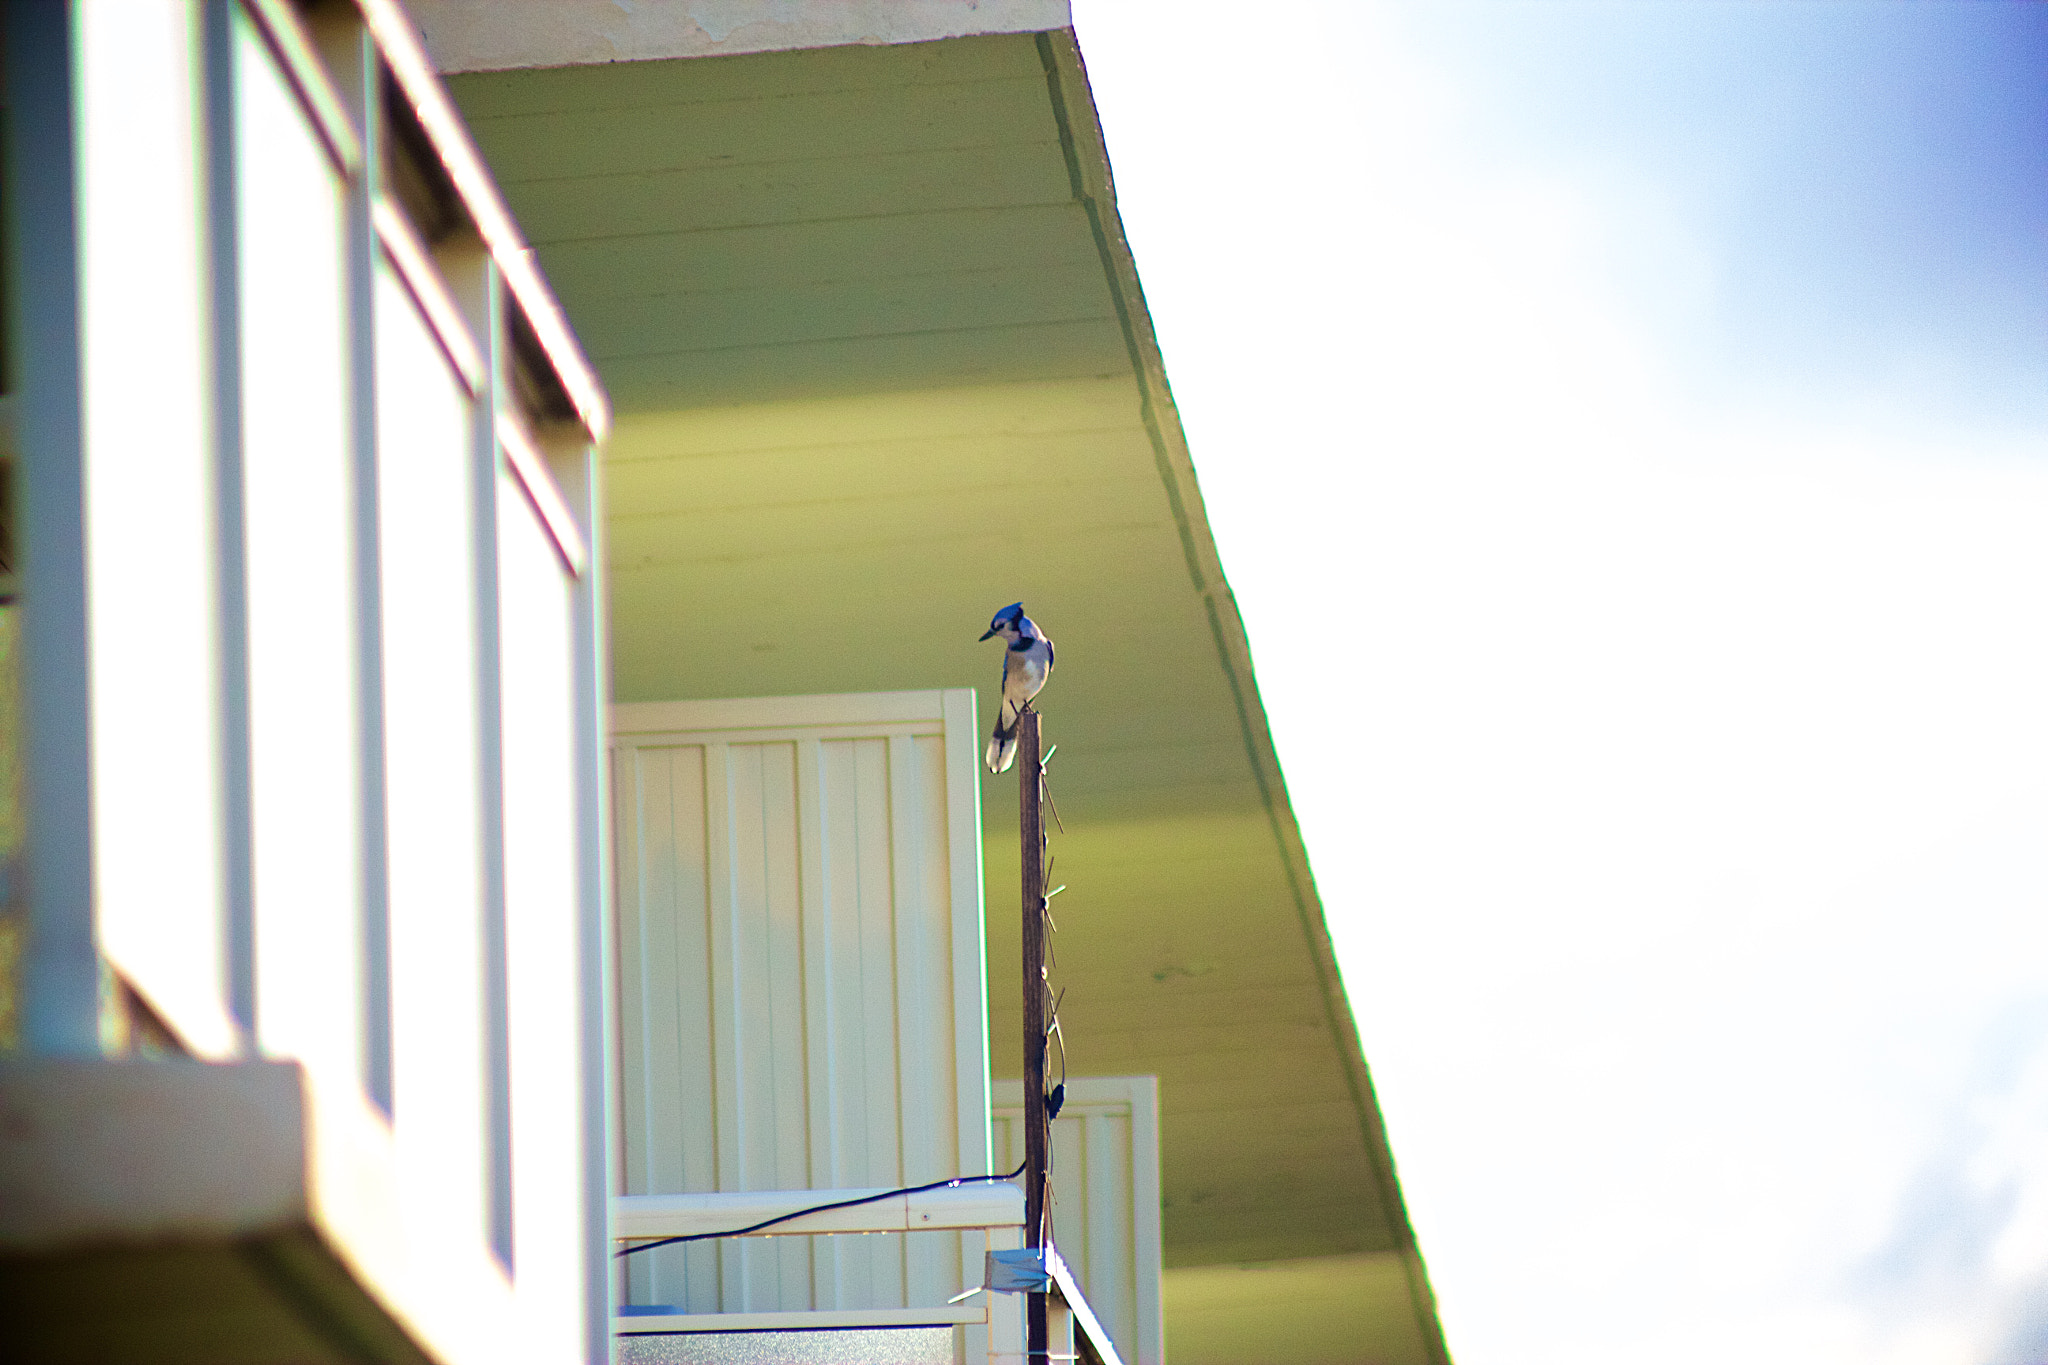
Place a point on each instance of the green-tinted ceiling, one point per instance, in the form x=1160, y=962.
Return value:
x=821, y=222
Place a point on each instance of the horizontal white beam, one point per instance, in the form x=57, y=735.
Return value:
x=988, y=1204
x=796, y=1322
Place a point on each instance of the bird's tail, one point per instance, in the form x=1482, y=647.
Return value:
x=1002, y=745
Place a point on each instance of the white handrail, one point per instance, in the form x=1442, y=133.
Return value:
x=988, y=1204
x=995, y=1207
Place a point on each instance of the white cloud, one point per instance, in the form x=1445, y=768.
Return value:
x=1674, y=779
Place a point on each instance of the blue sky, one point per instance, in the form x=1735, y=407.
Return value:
x=1626, y=429
x=1872, y=177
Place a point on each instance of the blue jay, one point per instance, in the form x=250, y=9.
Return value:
x=1026, y=665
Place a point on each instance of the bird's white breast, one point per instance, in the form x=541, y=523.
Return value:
x=1028, y=668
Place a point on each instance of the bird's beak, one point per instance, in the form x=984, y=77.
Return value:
x=985, y=634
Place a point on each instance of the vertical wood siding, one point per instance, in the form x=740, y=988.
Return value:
x=793, y=1009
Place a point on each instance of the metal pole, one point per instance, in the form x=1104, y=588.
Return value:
x=1031, y=845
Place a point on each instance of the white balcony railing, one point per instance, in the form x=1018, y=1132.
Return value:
x=993, y=1321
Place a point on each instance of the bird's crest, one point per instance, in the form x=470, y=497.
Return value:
x=1006, y=619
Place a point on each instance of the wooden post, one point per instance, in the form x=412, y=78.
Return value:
x=1031, y=844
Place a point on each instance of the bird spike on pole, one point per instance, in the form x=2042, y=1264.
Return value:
x=1031, y=845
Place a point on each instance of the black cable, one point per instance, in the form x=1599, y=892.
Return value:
x=815, y=1208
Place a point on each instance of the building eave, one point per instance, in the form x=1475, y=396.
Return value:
x=505, y=35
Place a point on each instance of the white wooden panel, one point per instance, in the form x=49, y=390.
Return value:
x=298, y=508
x=801, y=996
x=1105, y=1180
x=542, y=935
x=669, y=1134
x=149, y=474
x=432, y=770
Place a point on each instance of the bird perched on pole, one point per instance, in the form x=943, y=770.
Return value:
x=1027, y=662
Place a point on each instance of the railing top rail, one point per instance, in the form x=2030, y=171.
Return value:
x=985, y=1205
